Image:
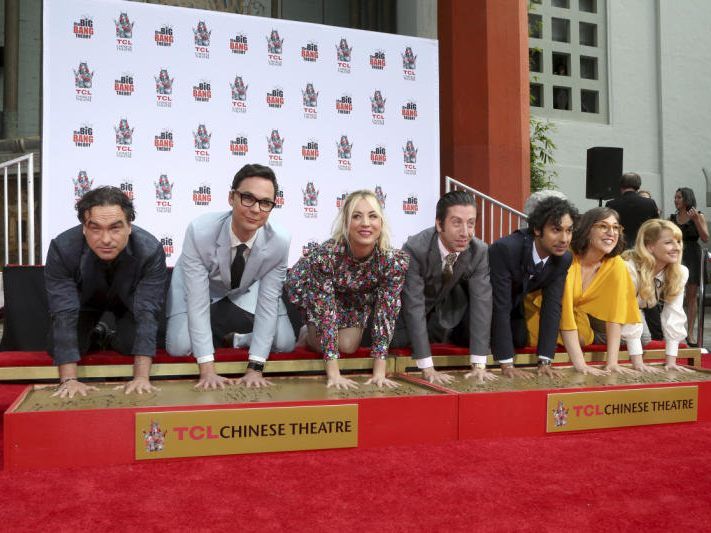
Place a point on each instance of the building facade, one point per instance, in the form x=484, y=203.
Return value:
x=653, y=75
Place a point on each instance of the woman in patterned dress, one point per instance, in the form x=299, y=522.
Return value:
x=339, y=283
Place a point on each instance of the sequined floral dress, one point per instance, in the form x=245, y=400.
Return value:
x=336, y=291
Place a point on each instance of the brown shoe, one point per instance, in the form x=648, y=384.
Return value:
x=228, y=341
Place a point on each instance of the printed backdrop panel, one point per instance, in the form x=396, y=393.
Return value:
x=168, y=103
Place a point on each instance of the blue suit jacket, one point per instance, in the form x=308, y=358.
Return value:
x=510, y=280
x=202, y=276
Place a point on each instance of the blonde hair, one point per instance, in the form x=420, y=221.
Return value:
x=649, y=233
x=343, y=220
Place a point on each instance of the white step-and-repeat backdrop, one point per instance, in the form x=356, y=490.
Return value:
x=168, y=103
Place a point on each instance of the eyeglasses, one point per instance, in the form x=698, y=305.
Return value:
x=606, y=228
x=248, y=200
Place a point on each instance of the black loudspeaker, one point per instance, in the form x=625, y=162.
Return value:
x=604, y=169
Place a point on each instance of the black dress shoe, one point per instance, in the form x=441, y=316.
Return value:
x=691, y=344
x=102, y=336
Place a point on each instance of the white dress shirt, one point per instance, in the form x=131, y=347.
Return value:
x=235, y=242
x=673, y=317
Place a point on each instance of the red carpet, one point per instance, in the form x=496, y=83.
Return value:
x=651, y=479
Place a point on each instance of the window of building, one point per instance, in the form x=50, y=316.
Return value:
x=568, y=59
x=588, y=101
x=535, y=60
x=588, y=34
x=535, y=26
x=588, y=67
x=536, y=95
x=561, y=64
x=560, y=30
x=561, y=98
x=588, y=6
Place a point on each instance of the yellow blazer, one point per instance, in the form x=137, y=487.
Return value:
x=610, y=297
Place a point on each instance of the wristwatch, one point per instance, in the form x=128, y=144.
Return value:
x=257, y=366
x=479, y=366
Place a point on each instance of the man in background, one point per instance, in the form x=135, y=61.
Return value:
x=634, y=209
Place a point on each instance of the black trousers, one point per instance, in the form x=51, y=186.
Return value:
x=122, y=323
x=226, y=317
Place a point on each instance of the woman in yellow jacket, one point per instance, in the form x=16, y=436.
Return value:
x=599, y=296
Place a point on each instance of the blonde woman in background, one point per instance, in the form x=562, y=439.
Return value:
x=659, y=278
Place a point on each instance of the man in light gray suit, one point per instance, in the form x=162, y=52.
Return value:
x=227, y=284
x=447, y=293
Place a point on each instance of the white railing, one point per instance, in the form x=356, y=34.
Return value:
x=496, y=220
x=28, y=162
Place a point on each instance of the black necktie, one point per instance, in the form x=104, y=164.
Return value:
x=535, y=270
x=237, y=266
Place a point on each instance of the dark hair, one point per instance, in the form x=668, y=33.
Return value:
x=630, y=180
x=687, y=197
x=450, y=199
x=105, y=195
x=581, y=233
x=551, y=209
x=255, y=170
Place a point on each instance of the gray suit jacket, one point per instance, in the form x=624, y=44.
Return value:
x=202, y=276
x=424, y=291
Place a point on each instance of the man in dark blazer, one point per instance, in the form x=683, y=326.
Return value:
x=634, y=209
x=530, y=260
x=447, y=294
x=104, y=266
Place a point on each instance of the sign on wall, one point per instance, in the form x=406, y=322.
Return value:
x=168, y=103
x=575, y=411
x=164, y=434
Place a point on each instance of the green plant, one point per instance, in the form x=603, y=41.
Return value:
x=543, y=171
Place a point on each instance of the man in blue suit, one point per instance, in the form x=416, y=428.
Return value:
x=227, y=284
x=525, y=263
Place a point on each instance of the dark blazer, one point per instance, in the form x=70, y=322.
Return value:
x=634, y=211
x=74, y=275
x=423, y=291
x=510, y=260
